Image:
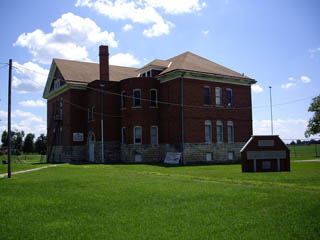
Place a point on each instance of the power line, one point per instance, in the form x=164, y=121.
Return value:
x=169, y=103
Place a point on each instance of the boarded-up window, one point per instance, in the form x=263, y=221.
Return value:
x=137, y=97
x=229, y=97
x=230, y=131
x=153, y=97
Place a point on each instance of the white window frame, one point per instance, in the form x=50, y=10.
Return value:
x=134, y=98
x=156, y=101
x=210, y=98
x=123, y=135
x=230, y=134
x=157, y=137
x=134, y=135
x=218, y=124
x=208, y=123
x=123, y=100
x=229, y=104
x=218, y=92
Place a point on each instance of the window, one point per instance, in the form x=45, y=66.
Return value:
x=207, y=95
x=154, y=135
x=266, y=165
x=230, y=155
x=123, y=99
x=123, y=135
x=136, y=97
x=208, y=131
x=149, y=73
x=60, y=112
x=137, y=135
x=230, y=131
x=219, y=132
x=229, y=97
x=209, y=156
x=138, y=158
x=56, y=84
x=91, y=112
x=153, y=97
x=218, y=96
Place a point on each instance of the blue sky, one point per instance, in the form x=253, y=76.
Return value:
x=275, y=42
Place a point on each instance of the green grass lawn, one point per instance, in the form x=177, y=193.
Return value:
x=304, y=152
x=156, y=202
x=22, y=162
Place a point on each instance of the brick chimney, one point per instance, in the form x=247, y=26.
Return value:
x=104, y=63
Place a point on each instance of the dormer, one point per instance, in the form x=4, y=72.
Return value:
x=153, y=68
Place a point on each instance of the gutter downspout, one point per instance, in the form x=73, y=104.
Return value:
x=182, y=119
x=102, y=152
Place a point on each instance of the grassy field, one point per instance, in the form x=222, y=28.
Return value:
x=156, y=202
x=22, y=162
x=304, y=152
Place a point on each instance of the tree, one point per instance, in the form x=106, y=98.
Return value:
x=313, y=127
x=4, y=139
x=28, y=143
x=41, y=144
x=16, y=139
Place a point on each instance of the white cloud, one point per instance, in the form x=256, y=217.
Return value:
x=256, y=88
x=177, y=6
x=292, y=79
x=285, y=128
x=305, y=79
x=205, y=32
x=32, y=103
x=314, y=51
x=25, y=121
x=31, y=77
x=69, y=39
x=124, y=59
x=3, y=114
x=144, y=11
x=288, y=85
x=127, y=27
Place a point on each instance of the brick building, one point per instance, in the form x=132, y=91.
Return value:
x=105, y=113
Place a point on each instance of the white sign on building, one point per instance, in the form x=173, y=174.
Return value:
x=172, y=157
x=78, y=137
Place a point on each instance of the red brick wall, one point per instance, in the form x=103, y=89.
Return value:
x=144, y=116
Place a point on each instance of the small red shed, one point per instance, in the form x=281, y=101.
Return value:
x=265, y=154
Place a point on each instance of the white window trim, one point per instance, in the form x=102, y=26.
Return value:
x=210, y=96
x=230, y=124
x=154, y=126
x=123, y=140
x=134, y=134
x=229, y=89
x=219, y=123
x=133, y=102
x=208, y=123
x=156, y=90
x=220, y=97
x=122, y=94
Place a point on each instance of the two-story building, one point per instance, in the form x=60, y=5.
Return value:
x=187, y=104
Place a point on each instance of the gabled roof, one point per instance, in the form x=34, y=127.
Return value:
x=75, y=71
x=191, y=62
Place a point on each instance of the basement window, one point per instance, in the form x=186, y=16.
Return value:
x=209, y=156
x=230, y=155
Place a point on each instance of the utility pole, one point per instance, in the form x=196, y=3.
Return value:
x=271, y=111
x=9, y=119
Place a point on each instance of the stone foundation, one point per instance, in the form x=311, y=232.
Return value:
x=146, y=153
